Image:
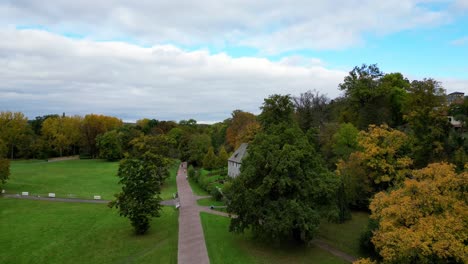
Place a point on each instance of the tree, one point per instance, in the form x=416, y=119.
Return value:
x=222, y=158
x=242, y=128
x=156, y=144
x=13, y=126
x=141, y=180
x=4, y=164
x=311, y=110
x=209, y=160
x=345, y=141
x=110, y=145
x=374, y=98
x=426, y=116
x=61, y=133
x=283, y=189
x=197, y=147
x=382, y=163
x=94, y=125
x=425, y=221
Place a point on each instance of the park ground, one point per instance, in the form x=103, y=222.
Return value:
x=56, y=232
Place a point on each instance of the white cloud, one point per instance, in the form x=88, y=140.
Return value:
x=48, y=73
x=272, y=26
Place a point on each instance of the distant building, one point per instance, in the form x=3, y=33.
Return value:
x=455, y=98
x=235, y=161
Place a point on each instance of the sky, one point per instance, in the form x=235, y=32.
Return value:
x=174, y=60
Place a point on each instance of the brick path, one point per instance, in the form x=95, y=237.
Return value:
x=192, y=247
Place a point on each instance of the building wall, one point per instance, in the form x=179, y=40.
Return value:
x=233, y=169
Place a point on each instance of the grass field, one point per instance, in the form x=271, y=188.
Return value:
x=209, y=201
x=225, y=247
x=346, y=236
x=81, y=178
x=55, y=232
x=196, y=189
x=170, y=186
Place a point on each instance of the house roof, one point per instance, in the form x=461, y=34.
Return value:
x=456, y=93
x=239, y=154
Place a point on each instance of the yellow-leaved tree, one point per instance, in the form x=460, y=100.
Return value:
x=426, y=220
x=381, y=163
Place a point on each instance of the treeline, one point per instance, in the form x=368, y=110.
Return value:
x=100, y=136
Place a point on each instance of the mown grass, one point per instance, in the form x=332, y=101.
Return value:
x=55, y=232
x=74, y=178
x=228, y=248
x=346, y=236
x=196, y=189
x=209, y=201
x=170, y=185
x=80, y=178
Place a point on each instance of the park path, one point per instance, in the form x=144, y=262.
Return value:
x=192, y=247
x=72, y=200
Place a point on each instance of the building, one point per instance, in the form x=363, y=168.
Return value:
x=455, y=98
x=235, y=161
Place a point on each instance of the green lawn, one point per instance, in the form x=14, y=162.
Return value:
x=170, y=186
x=209, y=201
x=196, y=189
x=55, y=232
x=82, y=178
x=346, y=236
x=225, y=247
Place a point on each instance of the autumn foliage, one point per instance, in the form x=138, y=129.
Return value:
x=425, y=221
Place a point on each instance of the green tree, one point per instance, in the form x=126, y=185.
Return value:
x=4, y=164
x=141, y=181
x=374, y=98
x=197, y=147
x=222, y=158
x=426, y=116
x=110, y=145
x=345, y=141
x=209, y=160
x=283, y=189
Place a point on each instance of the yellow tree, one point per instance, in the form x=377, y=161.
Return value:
x=94, y=125
x=425, y=221
x=13, y=126
x=242, y=128
x=61, y=133
x=381, y=163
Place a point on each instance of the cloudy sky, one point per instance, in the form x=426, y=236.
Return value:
x=201, y=59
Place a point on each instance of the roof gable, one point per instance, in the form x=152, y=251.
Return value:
x=239, y=154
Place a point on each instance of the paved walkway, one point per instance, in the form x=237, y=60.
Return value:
x=192, y=247
x=72, y=200
x=67, y=200
x=327, y=247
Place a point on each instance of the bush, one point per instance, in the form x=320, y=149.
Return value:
x=365, y=243
x=191, y=171
x=216, y=193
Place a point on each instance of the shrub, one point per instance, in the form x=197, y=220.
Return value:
x=216, y=193
x=365, y=241
x=191, y=171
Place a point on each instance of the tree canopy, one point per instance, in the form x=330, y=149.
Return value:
x=283, y=189
x=425, y=221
